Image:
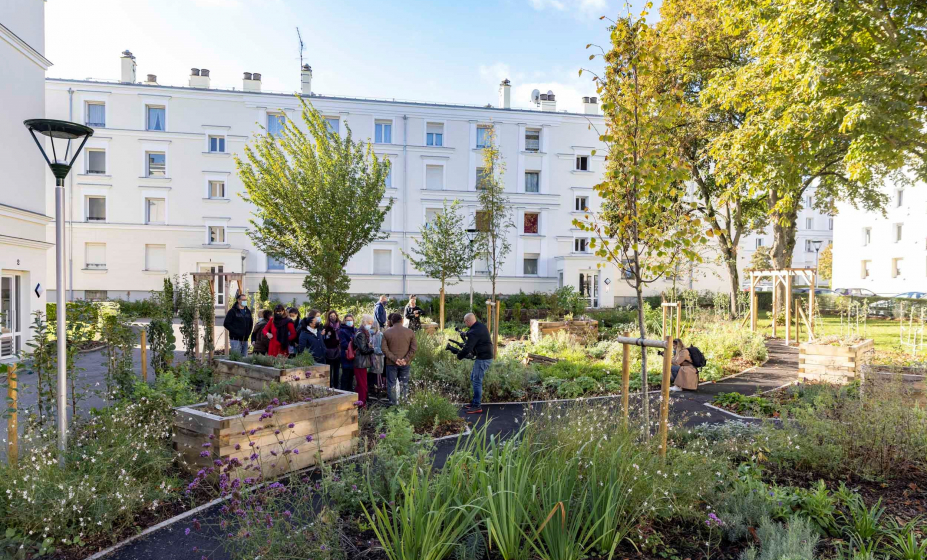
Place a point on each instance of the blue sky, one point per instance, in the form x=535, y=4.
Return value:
x=450, y=52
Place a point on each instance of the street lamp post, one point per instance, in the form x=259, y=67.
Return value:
x=471, y=237
x=56, y=130
x=817, y=248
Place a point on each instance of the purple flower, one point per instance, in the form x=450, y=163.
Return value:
x=204, y=453
x=309, y=438
x=382, y=436
x=296, y=452
x=186, y=531
x=237, y=446
x=207, y=445
x=291, y=425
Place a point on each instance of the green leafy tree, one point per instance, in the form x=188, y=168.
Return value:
x=697, y=47
x=826, y=263
x=760, y=259
x=443, y=251
x=318, y=200
x=645, y=223
x=160, y=330
x=493, y=215
x=264, y=290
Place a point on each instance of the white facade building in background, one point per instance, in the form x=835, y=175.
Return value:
x=884, y=253
x=23, y=217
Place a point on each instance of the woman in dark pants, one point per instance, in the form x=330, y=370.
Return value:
x=345, y=336
x=332, y=347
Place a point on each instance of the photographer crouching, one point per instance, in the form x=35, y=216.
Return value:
x=477, y=347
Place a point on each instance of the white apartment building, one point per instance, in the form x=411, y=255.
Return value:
x=23, y=218
x=884, y=253
x=156, y=192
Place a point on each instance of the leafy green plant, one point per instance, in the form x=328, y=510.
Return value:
x=428, y=410
x=743, y=404
x=794, y=541
x=903, y=542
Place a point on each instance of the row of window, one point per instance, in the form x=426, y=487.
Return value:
x=897, y=234
x=897, y=268
x=95, y=257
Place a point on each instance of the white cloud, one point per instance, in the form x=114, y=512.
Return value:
x=583, y=8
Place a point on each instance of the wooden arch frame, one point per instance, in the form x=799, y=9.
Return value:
x=784, y=277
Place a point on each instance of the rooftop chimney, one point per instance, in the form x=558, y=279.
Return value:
x=151, y=80
x=548, y=102
x=505, y=94
x=127, y=75
x=591, y=105
x=251, y=82
x=199, y=78
x=305, y=79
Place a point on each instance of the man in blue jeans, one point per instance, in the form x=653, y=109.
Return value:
x=238, y=323
x=399, y=348
x=478, y=347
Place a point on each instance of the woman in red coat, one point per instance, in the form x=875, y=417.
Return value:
x=280, y=332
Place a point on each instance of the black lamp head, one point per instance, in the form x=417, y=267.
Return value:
x=59, y=131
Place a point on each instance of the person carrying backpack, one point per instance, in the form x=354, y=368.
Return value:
x=684, y=373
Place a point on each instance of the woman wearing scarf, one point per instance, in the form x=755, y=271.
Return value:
x=364, y=356
x=294, y=316
x=310, y=336
x=345, y=337
x=332, y=346
x=280, y=332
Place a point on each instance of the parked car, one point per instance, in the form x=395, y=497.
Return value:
x=856, y=292
x=904, y=295
x=818, y=292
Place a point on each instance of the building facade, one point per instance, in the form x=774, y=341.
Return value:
x=23, y=215
x=885, y=253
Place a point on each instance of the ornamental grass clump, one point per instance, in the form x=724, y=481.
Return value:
x=121, y=453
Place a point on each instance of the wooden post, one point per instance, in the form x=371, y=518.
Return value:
x=196, y=326
x=814, y=285
x=678, y=319
x=775, y=304
x=495, y=332
x=665, y=391
x=144, y=355
x=797, y=322
x=12, y=423
x=663, y=308
x=788, y=309
x=212, y=293
x=441, y=316
x=489, y=315
x=752, y=303
x=625, y=379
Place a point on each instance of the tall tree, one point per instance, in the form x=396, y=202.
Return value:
x=833, y=98
x=318, y=200
x=645, y=223
x=697, y=47
x=826, y=263
x=443, y=251
x=493, y=215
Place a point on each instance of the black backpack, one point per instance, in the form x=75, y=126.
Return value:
x=697, y=358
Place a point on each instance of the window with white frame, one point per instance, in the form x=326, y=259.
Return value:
x=156, y=163
x=95, y=255
x=809, y=247
x=274, y=264
x=216, y=235
x=96, y=208
x=830, y=224
x=809, y=223
x=434, y=134
x=383, y=132
x=580, y=245
x=155, y=257
x=217, y=189
x=11, y=316
x=530, y=264
x=482, y=177
x=155, y=210
x=809, y=201
x=897, y=267
x=275, y=124
x=532, y=182
x=759, y=242
x=864, y=269
x=582, y=163
x=155, y=117
x=867, y=236
x=387, y=224
x=434, y=177
x=96, y=114
x=899, y=229
x=581, y=204
x=531, y=223
x=431, y=214
x=899, y=198
x=333, y=124
x=96, y=295
x=96, y=161
x=532, y=140
x=382, y=261
x=217, y=144
x=482, y=136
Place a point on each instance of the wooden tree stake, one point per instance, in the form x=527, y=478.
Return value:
x=665, y=391
x=12, y=423
x=144, y=346
x=625, y=379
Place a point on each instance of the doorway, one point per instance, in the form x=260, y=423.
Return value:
x=10, y=316
x=218, y=281
x=589, y=287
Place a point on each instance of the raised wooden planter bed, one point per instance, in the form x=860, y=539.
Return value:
x=430, y=328
x=831, y=364
x=255, y=377
x=331, y=421
x=583, y=329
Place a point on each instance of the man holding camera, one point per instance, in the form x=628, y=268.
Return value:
x=477, y=347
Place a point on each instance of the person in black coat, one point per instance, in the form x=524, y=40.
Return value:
x=310, y=337
x=479, y=348
x=238, y=322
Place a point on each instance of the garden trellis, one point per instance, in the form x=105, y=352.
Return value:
x=783, y=277
x=227, y=278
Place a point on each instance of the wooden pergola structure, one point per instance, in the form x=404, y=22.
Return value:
x=227, y=278
x=783, y=277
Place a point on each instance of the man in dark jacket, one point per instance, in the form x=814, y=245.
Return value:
x=259, y=342
x=479, y=347
x=379, y=312
x=238, y=323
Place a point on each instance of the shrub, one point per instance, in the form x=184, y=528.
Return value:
x=794, y=541
x=427, y=410
x=743, y=404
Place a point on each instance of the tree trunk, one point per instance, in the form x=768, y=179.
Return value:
x=441, y=321
x=735, y=283
x=784, y=229
x=645, y=400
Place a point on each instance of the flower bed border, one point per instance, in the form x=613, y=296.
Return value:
x=831, y=364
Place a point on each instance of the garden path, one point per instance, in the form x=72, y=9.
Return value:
x=170, y=543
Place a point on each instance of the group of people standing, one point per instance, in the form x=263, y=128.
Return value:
x=379, y=346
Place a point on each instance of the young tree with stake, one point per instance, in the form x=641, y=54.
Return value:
x=318, y=200
x=443, y=251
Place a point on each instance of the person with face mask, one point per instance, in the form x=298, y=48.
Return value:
x=363, y=356
x=281, y=333
x=345, y=337
x=310, y=337
x=332, y=347
x=259, y=341
x=238, y=323
x=293, y=313
x=376, y=360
